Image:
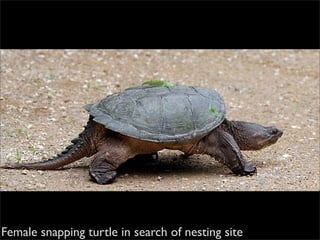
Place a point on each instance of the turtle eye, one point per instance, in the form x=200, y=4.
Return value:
x=275, y=131
x=271, y=130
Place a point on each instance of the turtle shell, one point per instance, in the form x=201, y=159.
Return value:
x=161, y=114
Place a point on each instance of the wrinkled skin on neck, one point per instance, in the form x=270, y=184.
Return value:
x=251, y=136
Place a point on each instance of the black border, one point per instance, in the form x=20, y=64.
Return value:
x=262, y=215
x=160, y=24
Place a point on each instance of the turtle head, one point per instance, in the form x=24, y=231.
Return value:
x=252, y=136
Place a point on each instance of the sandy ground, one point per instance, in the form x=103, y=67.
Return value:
x=43, y=91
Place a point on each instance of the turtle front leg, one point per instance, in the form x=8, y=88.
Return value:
x=101, y=170
x=147, y=157
x=222, y=146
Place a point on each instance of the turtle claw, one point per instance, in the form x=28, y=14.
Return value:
x=247, y=173
x=249, y=169
x=148, y=157
x=103, y=177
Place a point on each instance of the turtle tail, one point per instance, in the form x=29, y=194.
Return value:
x=83, y=146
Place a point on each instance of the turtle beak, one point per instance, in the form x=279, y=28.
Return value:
x=274, y=134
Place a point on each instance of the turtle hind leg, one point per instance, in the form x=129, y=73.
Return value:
x=112, y=152
x=101, y=170
x=222, y=146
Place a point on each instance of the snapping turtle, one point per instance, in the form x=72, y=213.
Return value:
x=146, y=119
